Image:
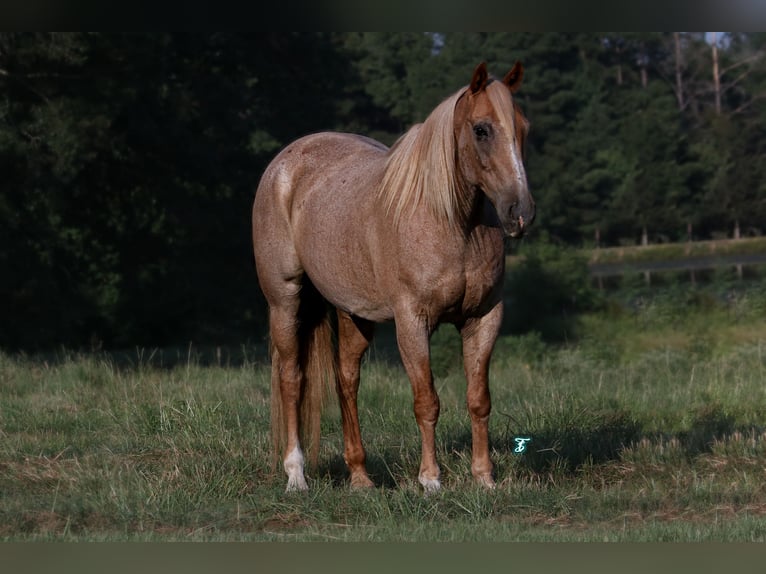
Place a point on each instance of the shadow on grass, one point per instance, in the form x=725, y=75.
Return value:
x=379, y=469
x=592, y=438
x=587, y=438
x=600, y=437
x=710, y=423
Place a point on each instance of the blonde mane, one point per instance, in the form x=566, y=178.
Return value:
x=421, y=168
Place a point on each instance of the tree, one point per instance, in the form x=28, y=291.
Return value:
x=395, y=72
x=730, y=132
x=130, y=161
x=131, y=164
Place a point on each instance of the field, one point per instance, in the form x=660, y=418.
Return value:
x=651, y=426
x=665, y=252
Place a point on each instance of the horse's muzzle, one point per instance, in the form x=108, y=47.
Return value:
x=519, y=218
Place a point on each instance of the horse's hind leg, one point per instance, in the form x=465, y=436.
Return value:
x=354, y=337
x=283, y=325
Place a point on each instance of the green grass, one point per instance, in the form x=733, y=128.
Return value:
x=677, y=251
x=647, y=428
x=665, y=252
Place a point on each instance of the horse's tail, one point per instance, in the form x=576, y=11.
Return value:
x=318, y=365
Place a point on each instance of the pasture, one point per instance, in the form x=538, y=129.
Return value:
x=650, y=427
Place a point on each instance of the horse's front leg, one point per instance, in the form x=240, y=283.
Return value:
x=479, y=335
x=412, y=336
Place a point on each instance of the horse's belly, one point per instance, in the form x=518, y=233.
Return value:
x=336, y=259
x=348, y=294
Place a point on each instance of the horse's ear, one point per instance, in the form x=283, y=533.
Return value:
x=513, y=78
x=480, y=77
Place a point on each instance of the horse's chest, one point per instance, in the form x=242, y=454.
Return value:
x=483, y=284
x=468, y=292
x=464, y=283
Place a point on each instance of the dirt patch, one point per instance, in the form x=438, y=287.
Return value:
x=285, y=522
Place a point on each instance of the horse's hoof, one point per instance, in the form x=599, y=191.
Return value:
x=430, y=485
x=296, y=484
x=486, y=481
x=361, y=482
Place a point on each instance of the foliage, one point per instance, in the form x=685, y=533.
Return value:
x=446, y=351
x=129, y=161
x=677, y=251
x=546, y=289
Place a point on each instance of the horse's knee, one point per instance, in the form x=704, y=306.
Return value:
x=427, y=408
x=479, y=405
x=479, y=410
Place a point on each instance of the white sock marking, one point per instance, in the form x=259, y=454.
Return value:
x=294, y=468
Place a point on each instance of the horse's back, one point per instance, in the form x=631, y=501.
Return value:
x=319, y=161
x=322, y=153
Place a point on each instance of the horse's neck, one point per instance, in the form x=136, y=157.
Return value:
x=476, y=210
x=482, y=216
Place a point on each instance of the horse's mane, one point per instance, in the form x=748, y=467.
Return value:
x=420, y=168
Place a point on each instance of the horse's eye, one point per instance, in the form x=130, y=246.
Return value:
x=481, y=131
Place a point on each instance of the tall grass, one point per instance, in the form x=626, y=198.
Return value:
x=651, y=426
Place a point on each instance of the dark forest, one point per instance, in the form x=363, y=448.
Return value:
x=129, y=162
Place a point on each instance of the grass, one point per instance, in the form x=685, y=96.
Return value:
x=667, y=252
x=677, y=251
x=650, y=427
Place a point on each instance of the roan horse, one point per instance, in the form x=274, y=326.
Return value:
x=413, y=234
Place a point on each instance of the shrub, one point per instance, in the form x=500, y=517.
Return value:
x=546, y=289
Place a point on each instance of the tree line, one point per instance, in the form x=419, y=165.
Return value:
x=129, y=161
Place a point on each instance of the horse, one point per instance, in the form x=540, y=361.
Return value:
x=414, y=234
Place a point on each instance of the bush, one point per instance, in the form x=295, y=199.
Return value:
x=446, y=351
x=527, y=348
x=546, y=289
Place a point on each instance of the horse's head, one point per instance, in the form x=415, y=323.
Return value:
x=490, y=132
